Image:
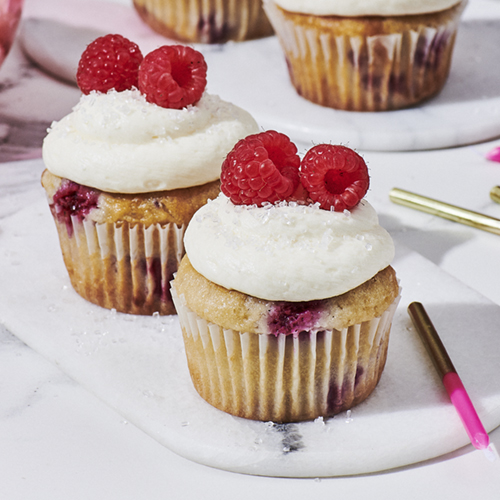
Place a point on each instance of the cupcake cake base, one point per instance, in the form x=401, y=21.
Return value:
x=121, y=251
x=370, y=63
x=206, y=22
x=284, y=378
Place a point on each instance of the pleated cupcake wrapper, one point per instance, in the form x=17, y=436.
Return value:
x=372, y=73
x=206, y=21
x=123, y=267
x=284, y=378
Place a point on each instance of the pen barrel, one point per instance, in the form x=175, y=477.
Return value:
x=465, y=409
x=445, y=210
x=430, y=339
x=449, y=377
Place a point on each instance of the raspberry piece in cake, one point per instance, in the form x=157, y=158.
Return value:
x=73, y=200
x=109, y=62
x=292, y=318
x=261, y=168
x=335, y=176
x=173, y=76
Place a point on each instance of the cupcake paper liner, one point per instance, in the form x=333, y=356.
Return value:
x=206, y=21
x=122, y=267
x=284, y=378
x=344, y=69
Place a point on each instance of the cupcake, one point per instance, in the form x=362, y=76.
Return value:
x=366, y=56
x=286, y=293
x=206, y=22
x=128, y=167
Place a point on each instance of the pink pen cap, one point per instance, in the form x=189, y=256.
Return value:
x=451, y=381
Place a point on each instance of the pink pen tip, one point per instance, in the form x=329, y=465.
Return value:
x=470, y=419
x=480, y=440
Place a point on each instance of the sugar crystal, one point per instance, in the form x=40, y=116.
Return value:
x=319, y=420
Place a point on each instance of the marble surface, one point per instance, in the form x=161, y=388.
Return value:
x=60, y=441
x=137, y=366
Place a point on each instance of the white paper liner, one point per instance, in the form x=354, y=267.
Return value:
x=123, y=267
x=206, y=21
x=284, y=378
x=366, y=73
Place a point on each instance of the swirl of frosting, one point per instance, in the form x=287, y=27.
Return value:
x=118, y=142
x=287, y=251
x=364, y=7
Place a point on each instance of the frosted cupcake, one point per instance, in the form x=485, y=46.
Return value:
x=206, y=21
x=367, y=56
x=286, y=294
x=127, y=169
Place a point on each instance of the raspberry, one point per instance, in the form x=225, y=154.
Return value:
x=334, y=176
x=73, y=200
x=173, y=76
x=292, y=318
x=261, y=168
x=109, y=62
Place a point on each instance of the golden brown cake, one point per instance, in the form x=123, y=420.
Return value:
x=206, y=21
x=284, y=378
x=367, y=62
x=121, y=250
x=286, y=303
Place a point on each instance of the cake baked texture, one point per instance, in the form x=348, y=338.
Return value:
x=123, y=178
x=122, y=250
x=367, y=56
x=202, y=21
x=286, y=307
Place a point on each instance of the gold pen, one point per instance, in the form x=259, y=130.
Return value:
x=451, y=381
x=445, y=210
x=495, y=194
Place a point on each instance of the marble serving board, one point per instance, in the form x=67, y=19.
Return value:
x=137, y=366
x=254, y=76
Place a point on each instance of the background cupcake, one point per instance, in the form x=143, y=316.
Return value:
x=127, y=168
x=286, y=306
x=367, y=56
x=206, y=21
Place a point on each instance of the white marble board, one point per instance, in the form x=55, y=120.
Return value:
x=137, y=366
x=254, y=75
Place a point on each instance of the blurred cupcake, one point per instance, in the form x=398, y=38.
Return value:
x=286, y=306
x=206, y=21
x=367, y=56
x=127, y=169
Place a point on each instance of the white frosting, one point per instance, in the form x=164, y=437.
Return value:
x=119, y=142
x=287, y=251
x=364, y=7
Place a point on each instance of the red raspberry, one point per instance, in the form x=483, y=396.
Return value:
x=334, y=176
x=109, y=62
x=261, y=168
x=173, y=76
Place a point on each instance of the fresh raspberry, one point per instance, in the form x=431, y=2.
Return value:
x=109, y=62
x=173, y=76
x=335, y=176
x=261, y=168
